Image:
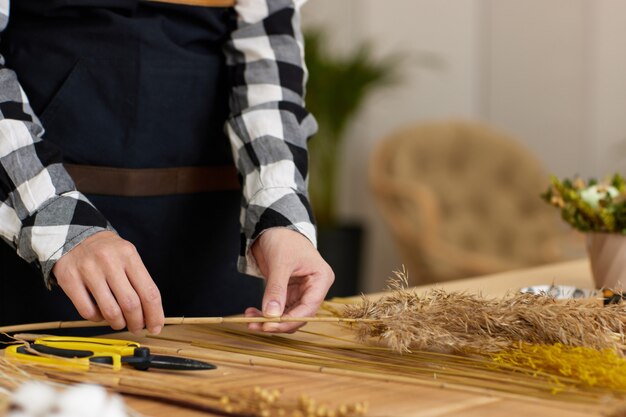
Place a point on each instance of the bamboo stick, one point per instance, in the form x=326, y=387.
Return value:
x=582, y=400
x=183, y=320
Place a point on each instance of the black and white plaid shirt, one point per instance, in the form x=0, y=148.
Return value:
x=43, y=216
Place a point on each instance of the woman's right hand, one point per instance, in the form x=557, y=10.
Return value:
x=105, y=279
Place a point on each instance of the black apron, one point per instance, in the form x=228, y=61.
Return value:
x=134, y=84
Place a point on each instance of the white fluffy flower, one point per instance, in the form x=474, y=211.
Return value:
x=114, y=407
x=82, y=400
x=592, y=195
x=34, y=399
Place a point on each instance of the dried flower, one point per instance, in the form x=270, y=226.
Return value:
x=467, y=323
x=591, y=206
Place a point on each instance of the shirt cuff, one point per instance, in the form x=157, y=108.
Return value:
x=56, y=228
x=273, y=207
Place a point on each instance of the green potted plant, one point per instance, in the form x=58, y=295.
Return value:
x=336, y=90
x=599, y=210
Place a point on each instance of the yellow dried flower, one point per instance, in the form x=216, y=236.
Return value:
x=591, y=367
x=557, y=201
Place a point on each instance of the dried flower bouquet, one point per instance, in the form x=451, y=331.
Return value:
x=599, y=210
x=590, y=206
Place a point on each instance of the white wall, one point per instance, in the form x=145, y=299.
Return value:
x=561, y=87
x=607, y=58
x=537, y=69
x=550, y=72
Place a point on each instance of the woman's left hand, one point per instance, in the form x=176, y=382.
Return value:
x=297, y=278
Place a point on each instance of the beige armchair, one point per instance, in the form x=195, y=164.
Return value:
x=462, y=199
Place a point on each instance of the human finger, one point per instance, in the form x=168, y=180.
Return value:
x=149, y=294
x=79, y=296
x=275, y=294
x=127, y=299
x=303, y=309
x=107, y=304
x=254, y=312
x=300, y=310
x=315, y=287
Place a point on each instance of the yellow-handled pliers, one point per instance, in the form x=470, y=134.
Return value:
x=80, y=352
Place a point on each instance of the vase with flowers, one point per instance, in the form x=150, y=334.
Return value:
x=597, y=208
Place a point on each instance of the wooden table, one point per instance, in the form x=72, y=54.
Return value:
x=575, y=273
x=393, y=398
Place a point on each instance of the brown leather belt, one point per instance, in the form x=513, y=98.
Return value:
x=201, y=3
x=152, y=181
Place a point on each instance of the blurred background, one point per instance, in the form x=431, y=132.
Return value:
x=548, y=76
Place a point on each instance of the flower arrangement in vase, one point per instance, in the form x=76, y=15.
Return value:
x=597, y=208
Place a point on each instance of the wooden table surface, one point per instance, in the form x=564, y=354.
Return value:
x=387, y=398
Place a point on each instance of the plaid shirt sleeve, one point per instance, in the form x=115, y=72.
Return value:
x=42, y=216
x=269, y=126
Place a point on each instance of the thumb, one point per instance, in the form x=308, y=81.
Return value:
x=275, y=294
